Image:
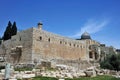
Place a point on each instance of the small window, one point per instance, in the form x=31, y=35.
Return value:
x=60, y=42
x=49, y=39
x=70, y=44
x=20, y=38
x=74, y=45
x=40, y=38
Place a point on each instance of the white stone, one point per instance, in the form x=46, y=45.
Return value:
x=19, y=76
x=61, y=79
x=28, y=75
x=69, y=75
x=16, y=72
x=82, y=74
x=2, y=70
x=28, y=72
x=12, y=79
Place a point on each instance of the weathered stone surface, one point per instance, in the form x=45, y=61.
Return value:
x=89, y=73
x=2, y=70
x=28, y=75
x=82, y=74
x=1, y=76
x=112, y=72
x=38, y=45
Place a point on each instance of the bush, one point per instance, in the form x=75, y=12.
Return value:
x=111, y=62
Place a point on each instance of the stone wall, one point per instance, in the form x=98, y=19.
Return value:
x=24, y=39
x=38, y=45
x=49, y=46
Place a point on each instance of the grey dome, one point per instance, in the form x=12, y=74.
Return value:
x=85, y=35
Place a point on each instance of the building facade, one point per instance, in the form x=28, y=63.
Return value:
x=36, y=45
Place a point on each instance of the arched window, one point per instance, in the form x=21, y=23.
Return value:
x=49, y=39
x=70, y=44
x=74, y=45
x=40, y=38
x=60, y=42
x=90, y=55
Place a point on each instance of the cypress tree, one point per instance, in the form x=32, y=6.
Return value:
x=0, y=40
x=7, y=33
x=14, y=29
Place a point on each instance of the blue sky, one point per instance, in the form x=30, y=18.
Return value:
x=101, y=18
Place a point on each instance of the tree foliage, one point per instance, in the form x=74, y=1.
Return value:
x=14, y=29
x=0, y=40
x=112, y=62
x=7, y=33
x=10, y=31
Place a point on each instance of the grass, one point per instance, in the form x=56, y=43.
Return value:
x=44, y=78
x=83, y=78
x=96, y=78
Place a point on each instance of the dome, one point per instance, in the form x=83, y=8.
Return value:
x=85, y=35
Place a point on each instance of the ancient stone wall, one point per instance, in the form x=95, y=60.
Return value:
x=24, y=39
x=38, y=45
x=49, y=46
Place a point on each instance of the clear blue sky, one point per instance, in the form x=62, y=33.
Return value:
x=101, y=18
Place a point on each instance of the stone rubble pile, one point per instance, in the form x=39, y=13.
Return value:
x=61, y=72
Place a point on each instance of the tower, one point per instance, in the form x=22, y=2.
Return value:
x=40, y=26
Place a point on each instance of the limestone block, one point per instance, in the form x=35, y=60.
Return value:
x=43, y=74
x=89, y=73
x=2, y=70
x=12, y=76
x=1, y=76
x=100, y=74
x=28, y=75
x=61, y=79
x=82, y=74
x=68, y=75
x=18, y=76
x=28, y=72
x=119, y=72
x=54, y=75
x=74, y=75
x=12, y=79
x=58, y=75
x=16, y=72
x=22, y=72
x=38, y=74
x=112, y=72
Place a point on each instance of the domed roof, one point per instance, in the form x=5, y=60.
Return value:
x=85, y=35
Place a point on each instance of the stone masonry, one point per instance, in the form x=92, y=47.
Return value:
x=38, y=45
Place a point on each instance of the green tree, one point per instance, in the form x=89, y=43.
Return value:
x=112, y=62
x=7, y=33
x=0, y=40
x=14, y=29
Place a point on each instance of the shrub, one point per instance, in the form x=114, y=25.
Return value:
x=111, y=62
